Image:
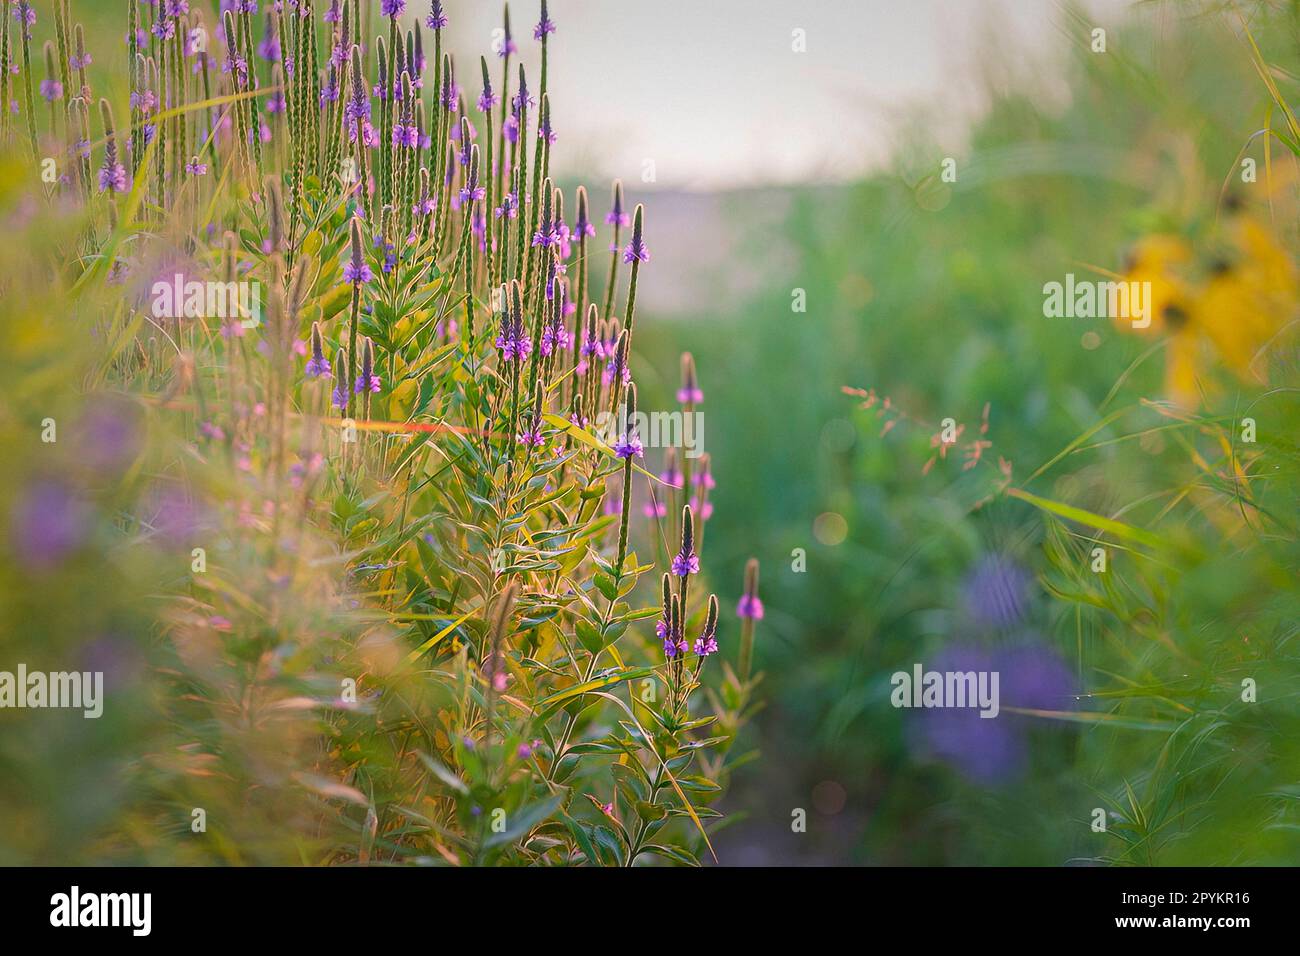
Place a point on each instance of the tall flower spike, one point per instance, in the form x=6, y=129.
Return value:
x=318, y=364
x=112, y=175
x=513, y=342
x=367, y=381
x=487, y=99
x=582, y=225
x=436, y=19
x=616, y=216
x=689, y=393
x=339, y=398
x=531, y=437
x=617, y=373
x=665, y=618
x=674, y=642
x=591, y=341
x=356, y=270
x=544, y=25
x=472, y=191
x=750, y=605
x=750, y=610
x=629, y=442
x=687, y=561
x=545, y=236
x=707, y=642
x=636, y=250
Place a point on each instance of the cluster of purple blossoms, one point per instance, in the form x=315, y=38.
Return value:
x=545, y=132
x=472, y=191
x=513, y=341
x=406, y=136
x=616, y=216
x=555, y=337
x=686, y=562
x=750, y=606
x=674, y=642
x=390, y=254
x=112, y=175
x=616, y=370
x=707, y=642
x=532, y=436
x=79, y=62
x=269, y=48
x=196, y=168
x=25, y=15
x=629, y=446
x=546, y=235
x=426, y=204
x=318, y=365
x=582, y=226
x=689, y=393
x=636, y=250
x=392, y=8
x=356, y=270
x=436, y=19
x=329, y=93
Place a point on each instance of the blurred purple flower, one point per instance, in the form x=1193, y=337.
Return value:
x=996, y=592
x=48, y=522
x=995, y=751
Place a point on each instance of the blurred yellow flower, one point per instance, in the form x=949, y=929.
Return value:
x=1227, y=300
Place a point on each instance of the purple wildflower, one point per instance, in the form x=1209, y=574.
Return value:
x=616, y=216
x=544, y=25
x=686, y=561
x=750, y=606
x=112, y=177
x=318, y=364
x=684, y=564
x=49, y=522
x=392, y=8
x=356, y=270
x=636, y=250
x=436, y=19
x=544, y=130
x=52, y=90
x=532, y=437
x=269, y=48
x=407, y=136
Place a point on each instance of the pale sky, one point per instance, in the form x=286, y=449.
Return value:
x=714, y=94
